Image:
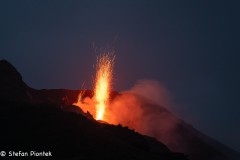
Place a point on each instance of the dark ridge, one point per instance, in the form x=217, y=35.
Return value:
x=11, y=84
x=7, y=70
x=69, y=135
x=46, y=120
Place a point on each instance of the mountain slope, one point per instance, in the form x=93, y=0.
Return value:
x=43, y=121
x=69, y=126
x=69, y=135
x=11, y=84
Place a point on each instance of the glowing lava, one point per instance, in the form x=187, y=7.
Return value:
x=104, y=71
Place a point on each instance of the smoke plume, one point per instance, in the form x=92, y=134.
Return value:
x=144, y=109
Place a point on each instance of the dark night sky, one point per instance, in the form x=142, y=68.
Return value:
x=190, y=47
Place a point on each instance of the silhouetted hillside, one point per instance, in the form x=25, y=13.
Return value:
x=11, y=85
x=69, y=135
x=45, y=120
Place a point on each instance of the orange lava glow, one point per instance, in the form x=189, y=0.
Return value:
x=79, y=100
x=103, y=84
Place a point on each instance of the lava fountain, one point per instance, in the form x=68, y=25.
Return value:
x=103, y=79
x=97, y=105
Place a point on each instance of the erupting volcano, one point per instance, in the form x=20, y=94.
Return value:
x=130, y=115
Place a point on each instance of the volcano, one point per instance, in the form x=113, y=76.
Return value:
x=46, y=120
